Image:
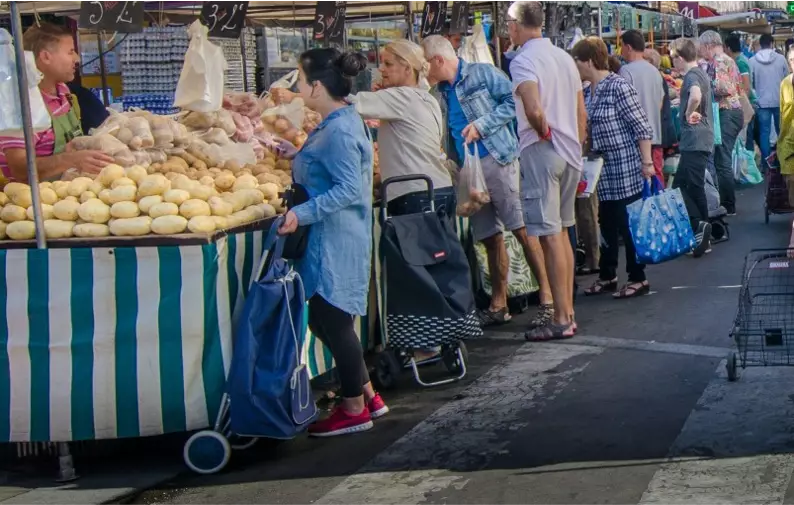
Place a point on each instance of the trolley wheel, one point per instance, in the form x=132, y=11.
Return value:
x=450, y=357
x=732, y=368
x=240, y=443
x=387, y=370
x=207, y=452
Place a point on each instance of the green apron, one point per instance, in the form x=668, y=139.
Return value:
x=66, y=126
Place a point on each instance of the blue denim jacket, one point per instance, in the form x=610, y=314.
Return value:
x=335, y=167
x=486, y=97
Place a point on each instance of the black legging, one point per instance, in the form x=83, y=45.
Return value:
x=334, y=328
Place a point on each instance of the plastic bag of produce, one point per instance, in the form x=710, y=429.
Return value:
x=245, y=104
x=215, y=136
x=106, y=143
x=224, y=120
x=200, y=86
x=245, y=130
x=291, y=112
x=241, y=153
x=141, y=133
x=472, y=190
x=10, y=107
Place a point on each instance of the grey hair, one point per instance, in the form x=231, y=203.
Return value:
x=710, y=38
x=436, y=45
x=653, y=57
x=527, y=14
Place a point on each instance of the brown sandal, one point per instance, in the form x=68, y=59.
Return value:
x=551, y=331
x=601, y=286
x=633, y=290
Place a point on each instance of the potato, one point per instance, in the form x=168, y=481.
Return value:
x=278, y=204
x=2, y=230
x=46, y=212
x=283, y=165
x=45, y=184
x=4, y=199
x=193, y=208
x=11, y=213
x=245, y=216
x=257, y=211
x=104, y=195
x=48, y=196
x=178, y=161
x=220, y=222
x=260, y=169
x=265, y=178
x=135, y=173
x=155, y=184
x=55, y=228
x=12, y=188
x=225, y=181
x=78, y=186
x=96, y=187
x=270, y=162
x=109, y=174
x=200, y=165
x=91, y=230
x=61, y=189
x=147, y=202
x=21, y=230
x=172, y=176
x=233, y=221
x=125, y=210
x=251, y=196
x=201, y=224
x=238, y=201
x=93, y=211
x=245, y=182
x=132, y=227
x=163, y=209
x=199, y=191
x=88, y=195
x=270, y=190
x=215, y=170
x=220, y=207
x=207, y=181
x=123, y=194
x=22, y=196
x=176, y=196
x=267, y=210
x=232, y=166
x=169, y=225
x=122, y=181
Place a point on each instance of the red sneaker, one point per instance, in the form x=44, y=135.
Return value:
x=341, y=422
x=377, y=407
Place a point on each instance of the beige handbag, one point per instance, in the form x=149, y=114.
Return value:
x=747, y=109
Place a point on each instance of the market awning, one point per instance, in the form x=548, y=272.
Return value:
x=751, y=22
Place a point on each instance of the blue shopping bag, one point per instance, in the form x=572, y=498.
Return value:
x=745, y=169
x=269, y=390
x=659, y=224
x=715, y=121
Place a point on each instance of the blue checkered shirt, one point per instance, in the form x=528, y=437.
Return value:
x=616, y=123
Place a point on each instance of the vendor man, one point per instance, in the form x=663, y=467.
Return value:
x=56, y=58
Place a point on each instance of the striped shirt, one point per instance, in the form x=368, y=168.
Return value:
x=58, y=105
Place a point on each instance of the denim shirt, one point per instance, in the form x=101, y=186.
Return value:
x=486, y=96
x=335, y=167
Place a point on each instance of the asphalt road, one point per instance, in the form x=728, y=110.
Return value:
x=636, y=409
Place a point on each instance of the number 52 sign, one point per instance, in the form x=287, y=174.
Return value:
x=124, y=17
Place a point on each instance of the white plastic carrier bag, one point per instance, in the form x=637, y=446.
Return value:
x=10, y=105
x=200, y=86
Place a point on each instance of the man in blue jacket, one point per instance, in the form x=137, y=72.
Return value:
x=480, y=111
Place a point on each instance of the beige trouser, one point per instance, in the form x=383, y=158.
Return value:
x=587, y=229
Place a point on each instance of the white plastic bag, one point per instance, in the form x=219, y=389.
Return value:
x=472, y=190
x=200, y=86
x=475, y=48
x=10, y=106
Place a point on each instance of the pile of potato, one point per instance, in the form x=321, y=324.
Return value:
x=132, y=202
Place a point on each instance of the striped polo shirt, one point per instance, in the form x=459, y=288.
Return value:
x=58, y=105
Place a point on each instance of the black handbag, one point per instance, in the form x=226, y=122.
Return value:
x=295, y=245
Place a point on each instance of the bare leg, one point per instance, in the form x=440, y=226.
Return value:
x=534, y=256
x=570, y=268
x=353, y=405
x=559, y=266
x=369, y=391
x=498, y=265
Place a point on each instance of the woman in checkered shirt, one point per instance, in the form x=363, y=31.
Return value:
x=618, y=130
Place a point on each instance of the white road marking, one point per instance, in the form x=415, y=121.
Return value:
x=734, y=447
x=495, y=403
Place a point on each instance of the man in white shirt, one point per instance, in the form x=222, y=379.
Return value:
x=552, y=123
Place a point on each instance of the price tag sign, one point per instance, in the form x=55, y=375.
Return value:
x=459, y=22
x=124, y=17
x=434, y=17
x=224, y=19
x=329, y=23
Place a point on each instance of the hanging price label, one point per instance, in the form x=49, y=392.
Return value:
x=124, y=17
x=224, y=19
x=329, y=23
x=459, y=21
x=434, y=17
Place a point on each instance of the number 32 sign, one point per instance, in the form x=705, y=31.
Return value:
x=124, y=17
x=224, y=19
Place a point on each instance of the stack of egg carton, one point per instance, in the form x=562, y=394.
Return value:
x=152, y=60
x=232, y=51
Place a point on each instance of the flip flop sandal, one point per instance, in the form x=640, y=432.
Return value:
x=543, y=317
x=551, y=332
x=600, y=287
x=632, y=290
x=494, y=318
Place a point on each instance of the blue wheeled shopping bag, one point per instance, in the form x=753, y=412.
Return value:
x=269, y=390
x=659, y=224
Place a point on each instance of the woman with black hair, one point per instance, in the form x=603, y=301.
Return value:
x=334, y=166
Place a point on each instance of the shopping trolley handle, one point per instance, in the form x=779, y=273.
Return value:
x=384, y=200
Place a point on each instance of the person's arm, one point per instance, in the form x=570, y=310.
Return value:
x=695, y=97
x=347, y=182
x=384, y=104
x=529, y=94
x=581, y=117
x=49, y=167
x=629, y=109
x=504, y=113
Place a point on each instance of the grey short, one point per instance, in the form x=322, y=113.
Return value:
x=548, y=190
x=504, y=211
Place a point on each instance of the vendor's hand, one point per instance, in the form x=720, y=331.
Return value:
x=648, y=170
x=471, y=134
x=285, y=148
x=694, y=118
x=282, y=95
x=90, y=161
x=290, y=224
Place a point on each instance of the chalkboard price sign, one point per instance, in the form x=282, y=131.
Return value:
x=124, y=17
x=329, y=22
x=434, y=17
x=459, y=22
x=224, y=19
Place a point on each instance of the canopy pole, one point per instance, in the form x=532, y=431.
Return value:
x=27, y=124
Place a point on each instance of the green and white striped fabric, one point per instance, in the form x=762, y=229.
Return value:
x=109, y=343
